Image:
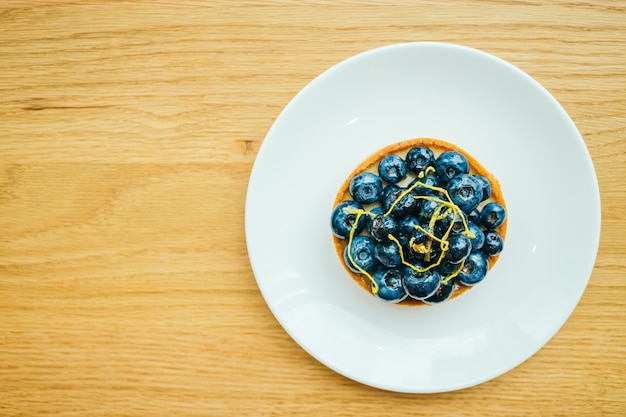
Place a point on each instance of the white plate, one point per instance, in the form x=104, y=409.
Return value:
x=502, y=117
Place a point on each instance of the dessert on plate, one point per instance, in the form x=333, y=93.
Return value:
x=419, y=222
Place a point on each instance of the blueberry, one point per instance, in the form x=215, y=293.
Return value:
x=392, y=168
x=382, y=226
x=407, y=205
x=366, y=188
x=427, y=209
x=443, y=293
x=493, y=243
x=406, y=226
x=420, y=285
x=453, y=221
x=446, y=268
x=422, y=247
x=474, y=216
x=389, y=195
x=417, y=261
x=459, y=248
x=465, y=192
x=492, y=215
x=474, y=269
x=450, y=164
x=430, y=180
x=363, y=253
x=419, y=158
x=342, y=220
x=369, y=219
x=479, y=236
x=485, y=185
x=418, y=242
x=390, y=288
x=388, y=254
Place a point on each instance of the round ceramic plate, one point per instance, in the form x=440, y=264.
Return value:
x=503, y=118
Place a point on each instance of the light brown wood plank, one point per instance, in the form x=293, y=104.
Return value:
x=127, y=134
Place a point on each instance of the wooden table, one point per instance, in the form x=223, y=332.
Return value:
x=127, y=134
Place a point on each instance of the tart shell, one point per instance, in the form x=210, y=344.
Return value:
x=401, y=148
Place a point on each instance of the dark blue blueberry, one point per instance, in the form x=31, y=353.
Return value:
x=389, y=195
x=423, y=248
x=371, y=216
x=454, y=218
x=493, y=243
x=430, y=180
x=407, y=205
x=446, y=268
x=418, y=242
x=465, y=192
x=342, y=220
x=382, y=226
x=363, y=251
x=474, y=216
x=390, y=288
x=366, y=188
x=388, y=254
x=459, y=248
x=474, y=269
x=420, y=285
x=406, y=226
x=427, y=209
x=419, y=158
x=409, y=257
x=485, y=185
x=492, y=215
x=392, y=168
x=450, y=164
x=479, y=236
x=443, y=293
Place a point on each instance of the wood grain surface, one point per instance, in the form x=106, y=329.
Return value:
x=127, y=134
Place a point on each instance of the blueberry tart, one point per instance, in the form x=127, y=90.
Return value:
x=419, y=222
